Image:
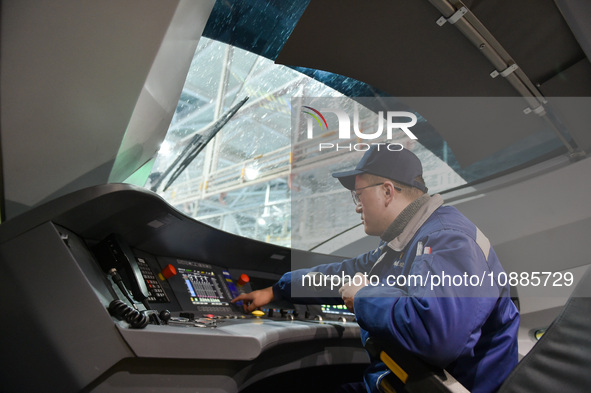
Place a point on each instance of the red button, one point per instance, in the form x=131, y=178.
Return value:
x=167, y=272
x=243, y=280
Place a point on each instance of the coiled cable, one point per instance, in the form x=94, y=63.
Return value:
x=122, y=311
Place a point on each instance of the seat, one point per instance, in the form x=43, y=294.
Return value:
x=409, y=374
x=559, y=362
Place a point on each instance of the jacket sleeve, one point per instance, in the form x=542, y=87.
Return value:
x=436, y=322
x=295, y=287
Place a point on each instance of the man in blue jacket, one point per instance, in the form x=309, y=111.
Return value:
x=431, y=285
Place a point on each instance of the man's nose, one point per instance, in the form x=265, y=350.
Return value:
x=358, y=208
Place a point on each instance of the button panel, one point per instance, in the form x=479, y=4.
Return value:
x=157, y=294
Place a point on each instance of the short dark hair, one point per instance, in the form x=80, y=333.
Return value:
x=410, y=191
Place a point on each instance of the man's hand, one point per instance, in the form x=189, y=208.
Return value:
x=349, y=290
x=251, y=301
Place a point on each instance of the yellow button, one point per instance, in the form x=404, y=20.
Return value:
x=258, y=313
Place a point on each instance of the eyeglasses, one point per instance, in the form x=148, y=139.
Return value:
x=357, y=195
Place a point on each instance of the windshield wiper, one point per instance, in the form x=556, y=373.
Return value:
x=195, y=146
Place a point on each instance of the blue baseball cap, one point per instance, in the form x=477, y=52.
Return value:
x=397, y=164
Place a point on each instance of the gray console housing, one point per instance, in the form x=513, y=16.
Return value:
x=60, y=336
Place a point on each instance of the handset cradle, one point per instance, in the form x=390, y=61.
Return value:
x=114, y=252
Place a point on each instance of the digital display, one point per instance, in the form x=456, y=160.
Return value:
x=231, y=286
x=338, y=309
x=204, y=287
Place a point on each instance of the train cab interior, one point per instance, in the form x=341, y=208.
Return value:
x=161, y=157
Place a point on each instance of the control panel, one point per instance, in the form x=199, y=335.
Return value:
x=102, y=251
x=188, y=292
x=178, y=291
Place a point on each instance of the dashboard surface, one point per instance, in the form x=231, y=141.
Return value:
x=59, y=261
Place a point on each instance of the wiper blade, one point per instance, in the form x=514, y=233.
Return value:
x=195, y=146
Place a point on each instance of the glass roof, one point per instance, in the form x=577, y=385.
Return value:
x=255, y=178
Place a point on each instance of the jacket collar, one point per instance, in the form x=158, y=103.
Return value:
x=408, y=222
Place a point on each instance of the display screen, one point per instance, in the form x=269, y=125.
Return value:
x=204, y=287
x=338, y=309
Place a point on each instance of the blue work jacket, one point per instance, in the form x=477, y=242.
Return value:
x=439, y=297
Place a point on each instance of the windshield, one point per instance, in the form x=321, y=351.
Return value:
x=247, y=180
x=242, y=161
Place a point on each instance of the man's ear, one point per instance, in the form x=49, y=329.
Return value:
x=389, y=192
